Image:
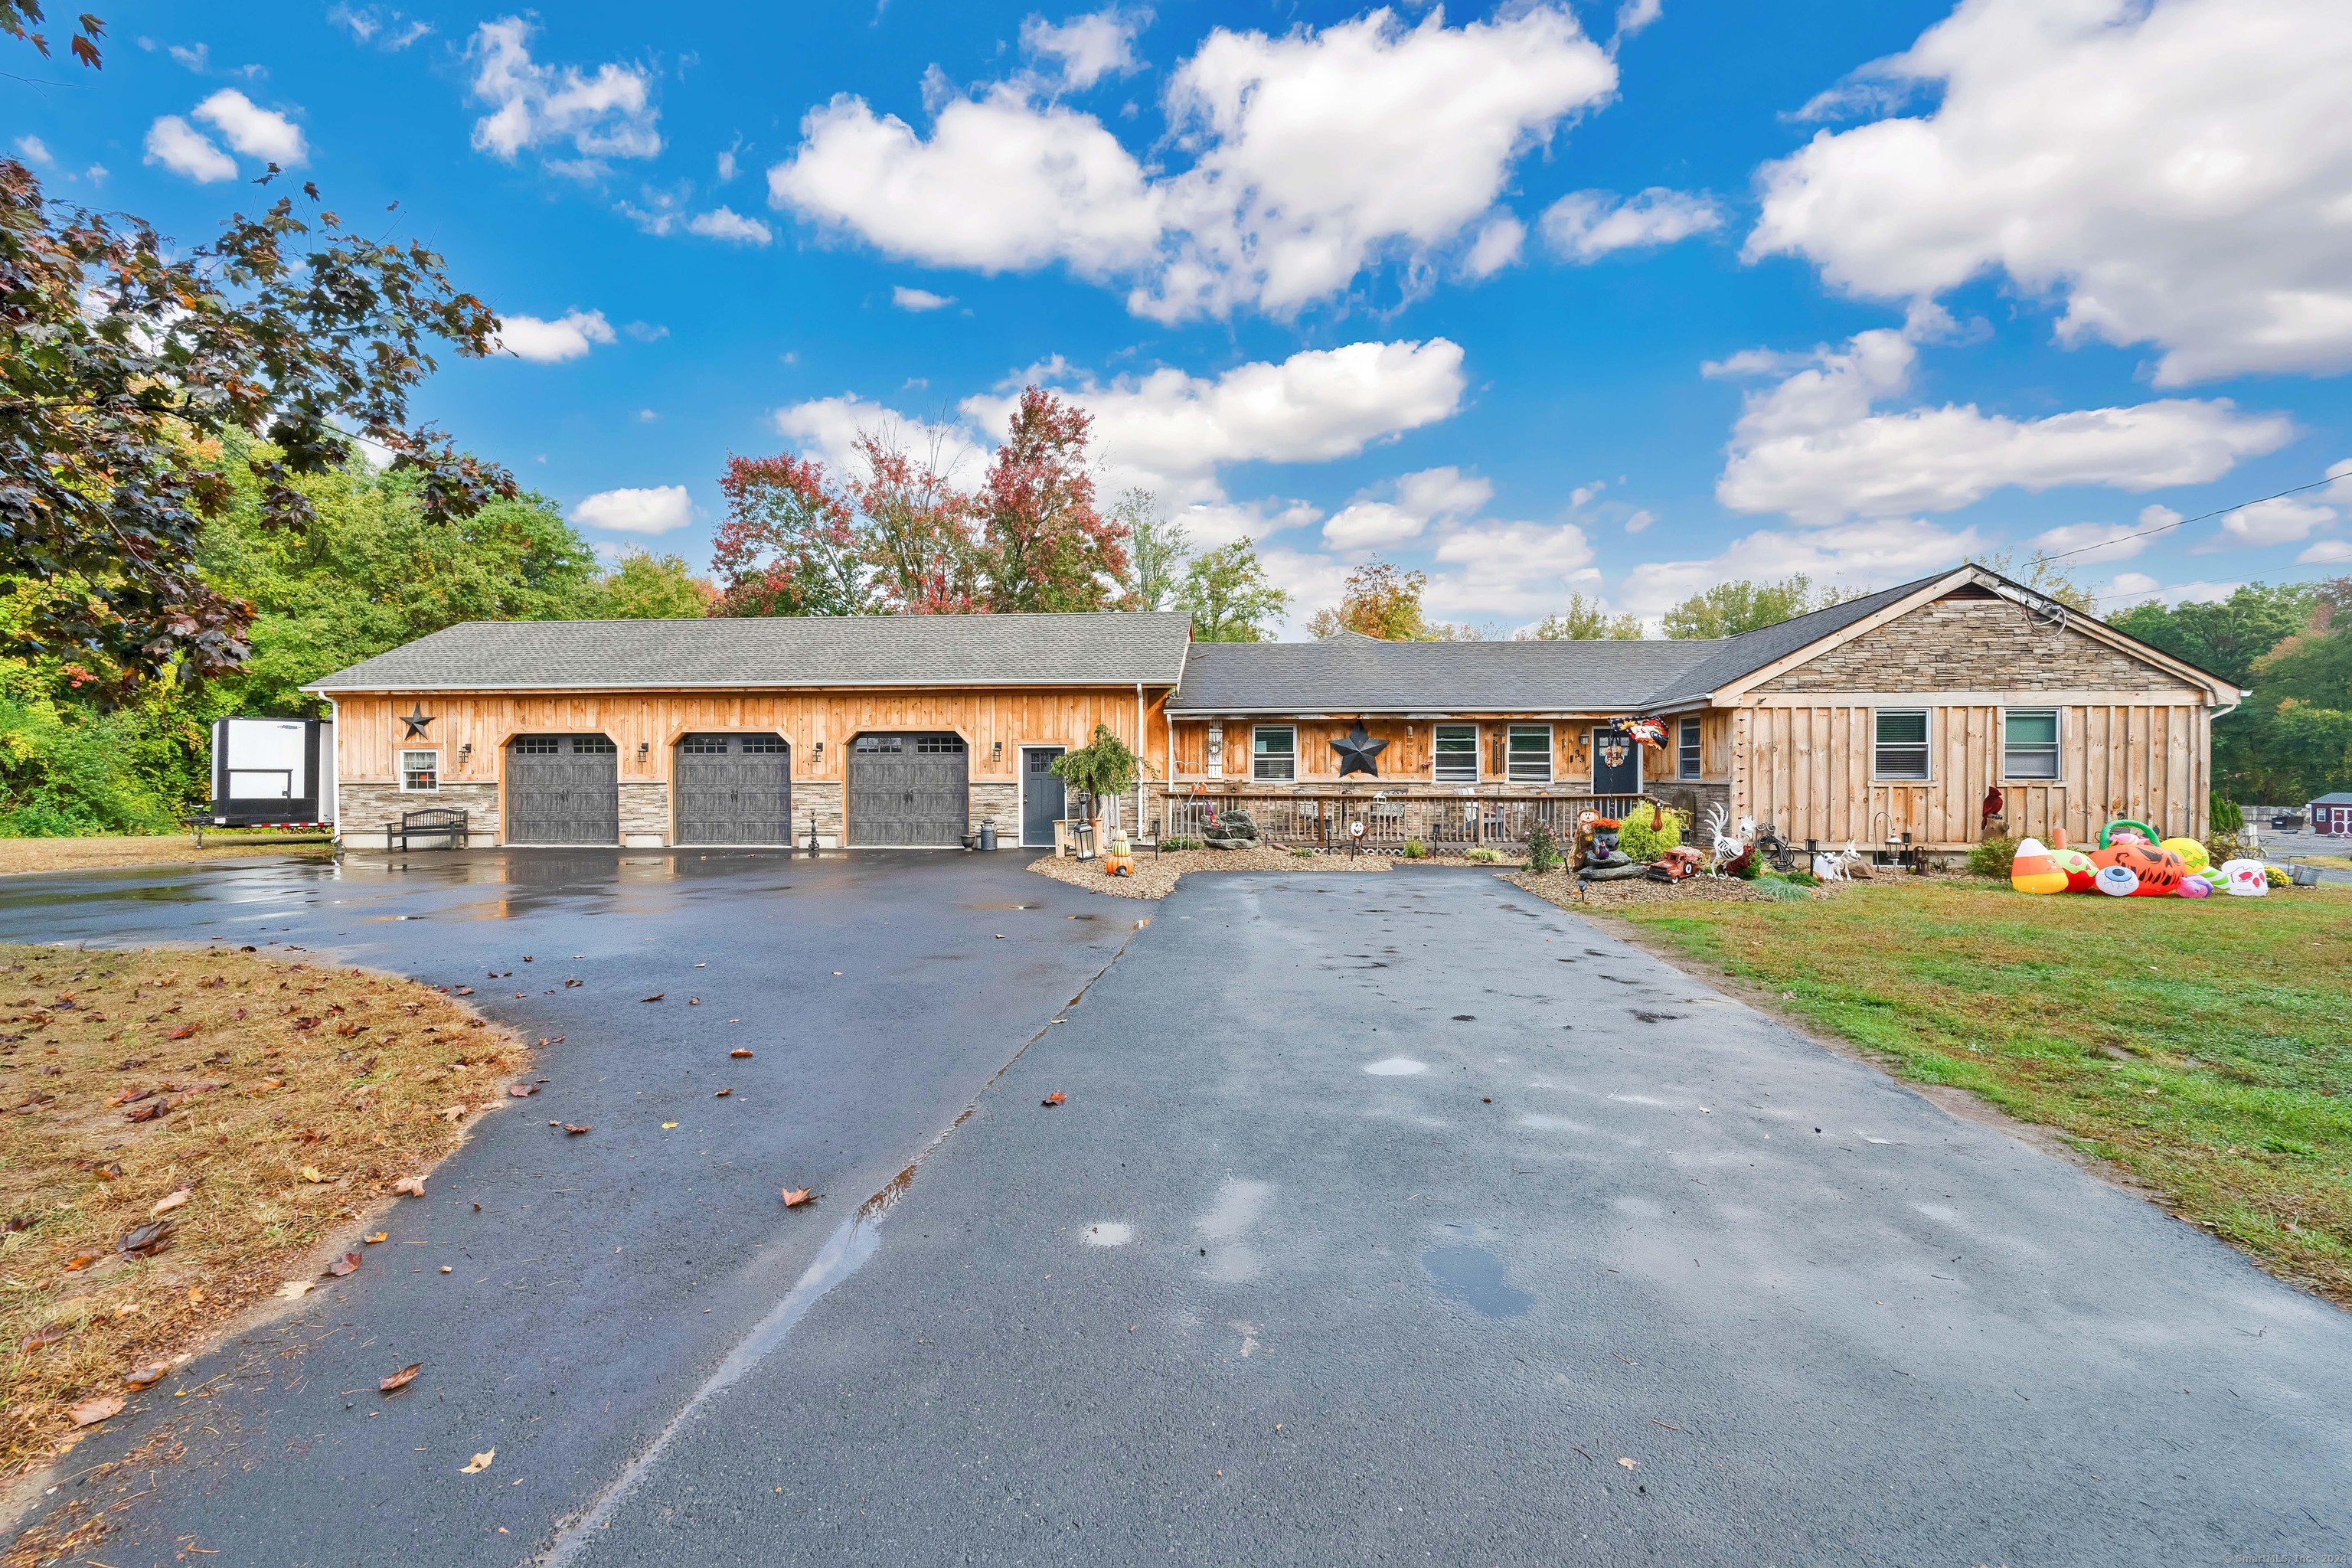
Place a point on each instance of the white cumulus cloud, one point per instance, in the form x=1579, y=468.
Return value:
x=1874, y=555
x=1090, y=47
x=1422, y=499
x=2173, y=172
x=2288, y=519
x=2088, y=543
x=609, y=114
x=724, y=223
x=1313, y=156
x=179, y=147
x=569, y=336
x=662, y=508
x=1812, y=446
x=1586, y=224
x=1508, y=569
x=918, y=299
x=256, y=131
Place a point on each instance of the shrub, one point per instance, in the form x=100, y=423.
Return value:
x=1414, y=849
x=1993, y=857
x=2224, y=847
x=1645, y=843
x=1484, y=854
x=2227, y=817
x=1303, y=854
x=1180, y=842
x=1543, y=849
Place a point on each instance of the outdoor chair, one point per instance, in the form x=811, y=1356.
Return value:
x=445, y=823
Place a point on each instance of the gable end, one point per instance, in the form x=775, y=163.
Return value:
x=1977, y=642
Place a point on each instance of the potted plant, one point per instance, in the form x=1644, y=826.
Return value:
x=1100, y=771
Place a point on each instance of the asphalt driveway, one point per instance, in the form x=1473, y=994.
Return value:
x=1406, y=1218
x=603, y=1278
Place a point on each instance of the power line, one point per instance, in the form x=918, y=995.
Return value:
x=2184, y=522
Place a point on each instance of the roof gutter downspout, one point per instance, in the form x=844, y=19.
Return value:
x=1139, y=755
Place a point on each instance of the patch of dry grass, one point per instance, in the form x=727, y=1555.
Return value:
x=22, y=856
x=282, y=1100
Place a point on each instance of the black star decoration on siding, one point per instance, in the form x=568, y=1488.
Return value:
x=1357, y=750
x=415, y=718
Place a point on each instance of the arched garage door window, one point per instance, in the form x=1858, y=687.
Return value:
x=733, y=789
x=563, y=789
x=908, y=791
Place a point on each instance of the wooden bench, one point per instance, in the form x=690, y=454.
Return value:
x=445, y=823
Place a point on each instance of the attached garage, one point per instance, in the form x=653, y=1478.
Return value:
x=563, y=789
x=733, y=789
x=908, y=791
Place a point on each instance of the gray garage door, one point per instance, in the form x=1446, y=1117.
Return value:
x=907, y=789
x=563, y=789
x=734, y=789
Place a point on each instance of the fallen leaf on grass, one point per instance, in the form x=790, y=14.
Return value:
x=571, y=1130
x=147, y=1112
x=90, y=1412
x=655, y=998
x=400, y=1380
x=80, y=1260
x=311, y=1174
x=295, y=1289
x=184, y=1031
x=454, y=1113
x=722, y=1094
x=796, y=1196
x=1057, y=1098
x=409, y=1186
x=166, y=1204
x=481, y=1462
x=739, y=1051
x=42, y=1339
x=143, y=1240
x=379, y=1236
x=146, y=1376
x=522, y=1090
x=348, y=1263
x=273, y=1083
x=109, y=1170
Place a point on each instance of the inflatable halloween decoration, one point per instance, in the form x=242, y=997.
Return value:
x=2123, y=829
x=2077, y=867
x=2117, y=881
x=2247, y=879
x=2156, y=872
x=2193, y=855
x=2195, y=888
x=2036, y=869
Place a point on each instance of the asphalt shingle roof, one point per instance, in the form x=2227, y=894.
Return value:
x=781, y=651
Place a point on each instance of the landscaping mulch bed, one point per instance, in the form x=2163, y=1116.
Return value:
x=20, y=856
x=180, y=1132
x=1559, y=887
x=1156, y=875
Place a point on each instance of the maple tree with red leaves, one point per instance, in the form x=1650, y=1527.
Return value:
x=790, y=545
x=1048, y=548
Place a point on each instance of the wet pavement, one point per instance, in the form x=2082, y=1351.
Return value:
x=606, y=1277
x=1407, y=1218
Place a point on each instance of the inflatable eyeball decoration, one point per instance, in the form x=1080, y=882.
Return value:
x=2035, y=869
x=2117, y=881
x=2077, y=866
x=2247, y=879
x=2193, y=855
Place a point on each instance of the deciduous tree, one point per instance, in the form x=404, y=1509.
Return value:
x=1157, y=547
x=790, y=545
x=1584, y=620
x=1228, y=596
x=1730, y=608
x=1380, y=600
x=1047, y=547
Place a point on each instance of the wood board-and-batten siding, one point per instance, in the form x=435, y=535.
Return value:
x=1409, y=756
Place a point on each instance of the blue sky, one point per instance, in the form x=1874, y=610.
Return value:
x=1538, y=299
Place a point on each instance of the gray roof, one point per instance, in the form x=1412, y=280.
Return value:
x=781, y=651
x=1354, y=674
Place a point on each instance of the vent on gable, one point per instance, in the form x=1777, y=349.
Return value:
x=1972, y=590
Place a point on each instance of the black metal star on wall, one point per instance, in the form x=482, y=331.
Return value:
x=415, y=718
x=1357, y=750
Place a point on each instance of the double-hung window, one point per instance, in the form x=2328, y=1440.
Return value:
x=1274, y=752
x=1899, y=744
x=2029, y=743
x=1529, y=757
x=1688, y=753
x=420, y=771
x=1455, y=757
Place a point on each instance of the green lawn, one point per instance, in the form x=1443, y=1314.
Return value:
x=2203, y=1045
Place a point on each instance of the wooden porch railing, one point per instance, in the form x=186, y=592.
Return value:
x=1440, y=822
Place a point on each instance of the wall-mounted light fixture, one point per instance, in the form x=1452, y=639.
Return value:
x=643, y=747
x=820, y=757
x=996, y=750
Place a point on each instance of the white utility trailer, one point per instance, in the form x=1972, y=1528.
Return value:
x=273, y=772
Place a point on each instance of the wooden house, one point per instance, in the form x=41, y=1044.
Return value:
x=1925, y=715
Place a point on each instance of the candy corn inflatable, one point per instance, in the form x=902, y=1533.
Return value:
x=2035, y=869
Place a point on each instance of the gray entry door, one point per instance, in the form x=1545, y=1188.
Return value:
x=908, y=791
x=1622, y=777
x=563, y=789
x=733, y=789
x=1044, y=800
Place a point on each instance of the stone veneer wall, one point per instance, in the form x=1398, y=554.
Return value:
x=819, y=798
x=1974, y=644
x=1692, y=798
x=1002, y=801
x=362, y=810
x=644, y=813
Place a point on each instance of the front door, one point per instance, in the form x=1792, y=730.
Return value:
x=1622, y=777
x=1043, y=800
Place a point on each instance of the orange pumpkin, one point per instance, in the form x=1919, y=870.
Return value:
x=2159, y=870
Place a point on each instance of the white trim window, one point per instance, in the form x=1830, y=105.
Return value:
x=1898, y=744
x=1274, y=752
x=1528, y=758
x=420, y=773
x=1689, y=754
x=2029, y=744
x=1453, y=753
